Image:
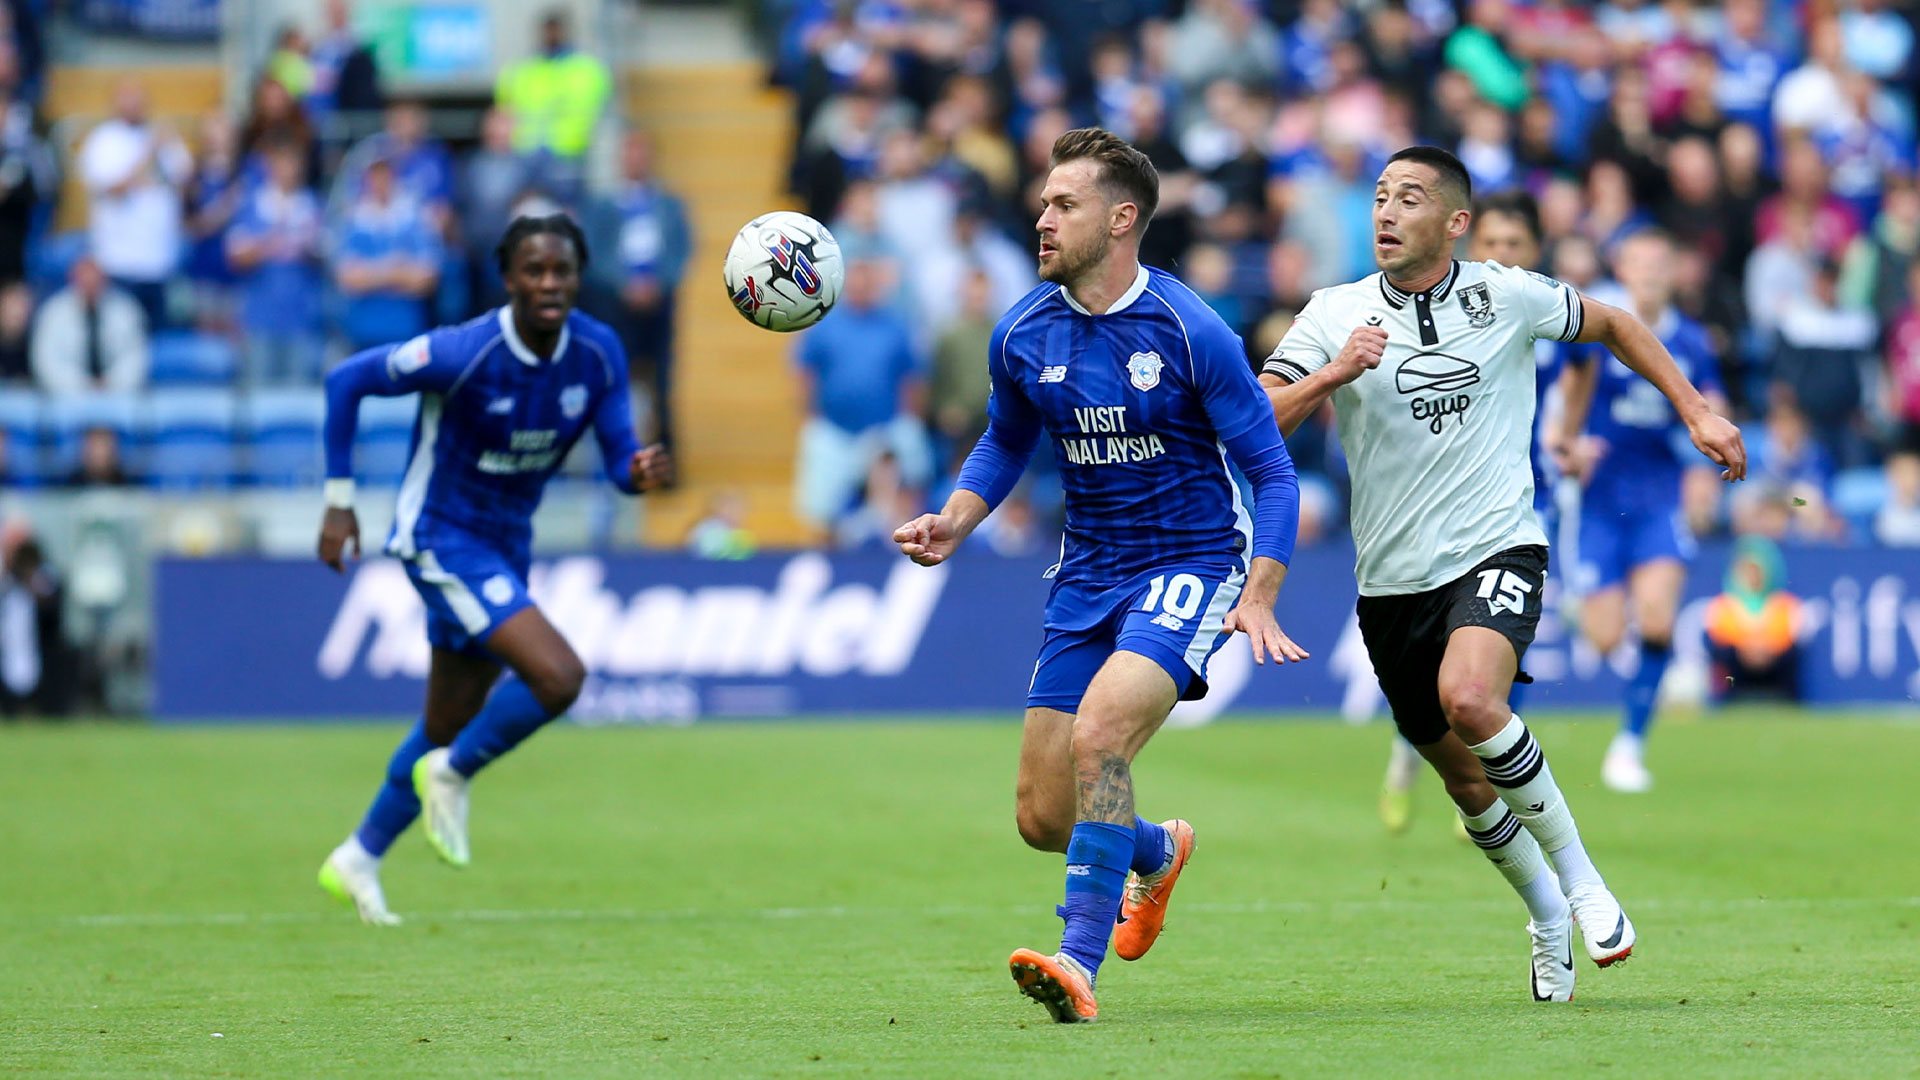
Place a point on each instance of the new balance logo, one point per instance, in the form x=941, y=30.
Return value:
x=1171, y=622
x=500, y=407
x=1079, y=871
x=1053, y=374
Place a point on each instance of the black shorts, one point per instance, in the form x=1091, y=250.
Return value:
x=1407, y=635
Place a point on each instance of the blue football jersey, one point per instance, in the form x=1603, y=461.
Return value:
x=495, y=422
x=1141, y=404
x=1647, y=445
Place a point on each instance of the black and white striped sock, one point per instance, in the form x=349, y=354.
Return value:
x=1518, y=770
x=1516, y=854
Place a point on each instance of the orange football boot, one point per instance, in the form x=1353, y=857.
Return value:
x=1143, y=910
x=1057, y=982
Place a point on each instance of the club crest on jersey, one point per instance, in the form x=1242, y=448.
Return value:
x=1478, y=304
x=573, y=401
x=1143, y=368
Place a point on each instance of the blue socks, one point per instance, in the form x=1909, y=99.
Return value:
x=1644, y=688
x=1098, y=856
x=509, y=716
x=395, y=807
x=1149, y=847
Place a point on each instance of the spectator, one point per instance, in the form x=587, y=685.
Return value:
x=1903, y=369
x=1486, y=149
x=1750, y=64
x=213, y=198
x=100, y=460
x=26, y=169
x=16, y=323
x=1822, y=363
x=1478, y=50
x=35, y=662
x=861, y=382
x=1875, y=273
x=1864, y=145
x=1810, y=95
x=1753, y=627
x=91, y=335
x=494, y=176
x=957, y=392
x=387, y=265
x=886, y=500
x=1786, y=458
x=288, y=64
x=977, y=244
x=274, y=247
x=1780, y=271
x=1224, y=39
x=346, y=77
x=722, y=534
x=134, y=171
x=645, y=245
x=1897, y=522
x=556, y=97
x=422, y=168
x=275, y=118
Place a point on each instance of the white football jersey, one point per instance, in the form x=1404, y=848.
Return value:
x=1437, y=437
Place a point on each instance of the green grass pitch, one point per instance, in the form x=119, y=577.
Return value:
x=839, y=900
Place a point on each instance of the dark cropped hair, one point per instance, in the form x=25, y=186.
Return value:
x=1126, y=174
x=525, y=226
x=1513, y=204
x=1455, y=185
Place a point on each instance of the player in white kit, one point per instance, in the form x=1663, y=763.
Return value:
x=1430, y=367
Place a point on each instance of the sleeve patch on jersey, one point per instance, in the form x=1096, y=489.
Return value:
x=1545, y=280
x=1283, y=368
x=1576, y=315
x=409, y=357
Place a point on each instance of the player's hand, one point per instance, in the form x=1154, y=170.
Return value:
x=928, y=539
x=338, y=529
x=1362, y=354
x=651, y=468
x=1254, y=618
x=1717, y=438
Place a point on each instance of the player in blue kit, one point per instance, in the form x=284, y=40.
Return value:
x=503, y=398
x=1146, y=396
x=1634, y=542
x=1506, y=230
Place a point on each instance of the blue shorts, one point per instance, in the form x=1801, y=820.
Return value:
x=469, y=591
x=1172, y=615
x=1615, y=539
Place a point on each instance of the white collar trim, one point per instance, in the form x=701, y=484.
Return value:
x=1127, y=298
x=519, y=348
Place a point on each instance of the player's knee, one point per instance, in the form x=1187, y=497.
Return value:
x=1042, y=831
x=1473, y=708
x=557, y=685
x=1656, y=630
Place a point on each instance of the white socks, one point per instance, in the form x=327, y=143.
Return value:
x=1519, y=773
x=1516, y=854
x=1403, y=765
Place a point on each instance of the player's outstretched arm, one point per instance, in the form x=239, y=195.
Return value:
x=1564, y=443
x=1294, y=400
x=1639, y=349
x=931, y=539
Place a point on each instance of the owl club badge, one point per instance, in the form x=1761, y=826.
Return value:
x=1143, y=368
x=1478, y=304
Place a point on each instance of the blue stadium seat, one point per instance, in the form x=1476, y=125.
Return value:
x=1858, y=495
x=284, y=428
x=386, y=434
x=20, y=421
x=67, y=419
x=192, y=438
x=191, y=358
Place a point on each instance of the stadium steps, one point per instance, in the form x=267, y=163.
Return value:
x=81, y=95
x=722, y=143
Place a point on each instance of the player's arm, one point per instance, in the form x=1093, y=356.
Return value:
x=1238, y=408
x=1304, y=371
x=630, y=467
x=991, y=470
x=382, y=371
x=1578, y=381
x=1638, y=348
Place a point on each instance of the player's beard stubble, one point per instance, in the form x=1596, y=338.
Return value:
x=1068, y=265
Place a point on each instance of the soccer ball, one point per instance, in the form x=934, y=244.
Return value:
x=784, y=271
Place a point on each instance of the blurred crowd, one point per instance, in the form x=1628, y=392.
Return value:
x=1773, y=140
x=249, y=252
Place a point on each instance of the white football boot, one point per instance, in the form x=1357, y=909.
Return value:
x=1603, y=925
x=353, y=877
x=1623, y=770
x=1552, y=960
